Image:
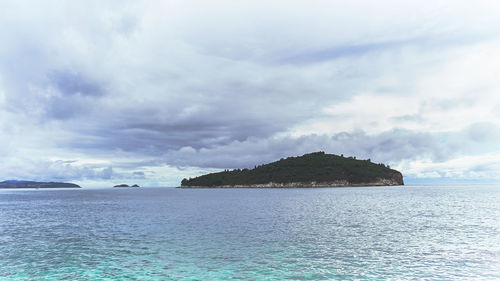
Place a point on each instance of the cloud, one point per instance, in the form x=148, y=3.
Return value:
x=147, y=87
x=58, y=170
x=479, y=167
x=393, y=146
x=69, y=84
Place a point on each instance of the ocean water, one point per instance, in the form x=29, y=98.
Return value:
x=426, y=232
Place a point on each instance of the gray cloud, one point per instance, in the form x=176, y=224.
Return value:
x=138, y=86
x=139, y=175
x=388, y=147
x=60, y=107
x=69, y=83
x=349, y=50
x=60, y=170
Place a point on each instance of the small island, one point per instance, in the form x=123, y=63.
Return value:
x=126, y=185
x=36, y=184
x=310, y=170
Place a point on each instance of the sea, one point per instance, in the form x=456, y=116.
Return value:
x=412, y=232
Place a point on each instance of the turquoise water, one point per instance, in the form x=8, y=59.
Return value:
x=375, y=233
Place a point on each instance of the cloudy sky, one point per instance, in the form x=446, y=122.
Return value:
x=150, y=92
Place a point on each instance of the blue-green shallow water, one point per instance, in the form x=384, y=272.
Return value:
x=374, y=233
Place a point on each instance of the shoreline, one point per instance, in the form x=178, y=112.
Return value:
x=343, y=183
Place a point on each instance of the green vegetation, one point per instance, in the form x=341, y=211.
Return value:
x=314, y=167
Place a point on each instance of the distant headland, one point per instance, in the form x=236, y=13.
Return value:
x=310, y=170
x=36, y=184
x=126, y=185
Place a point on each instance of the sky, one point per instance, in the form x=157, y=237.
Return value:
x=150, y=92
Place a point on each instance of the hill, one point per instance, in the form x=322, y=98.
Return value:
x=36, y=184
x=310, y=170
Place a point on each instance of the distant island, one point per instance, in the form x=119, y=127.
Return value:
x=36, y=184
x=126, y=185
x=310, y=170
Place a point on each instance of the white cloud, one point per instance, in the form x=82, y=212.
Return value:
x=131, y=84
x=477, y=167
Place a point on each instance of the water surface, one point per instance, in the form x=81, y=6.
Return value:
x=429, y=232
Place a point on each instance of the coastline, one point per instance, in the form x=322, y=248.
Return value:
x=313, y=184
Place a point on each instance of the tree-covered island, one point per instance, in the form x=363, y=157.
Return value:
x=36, y=184
x=310, y=170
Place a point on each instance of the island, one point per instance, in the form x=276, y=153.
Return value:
x=126, y=185
x=310, y=170
x=36, y=184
